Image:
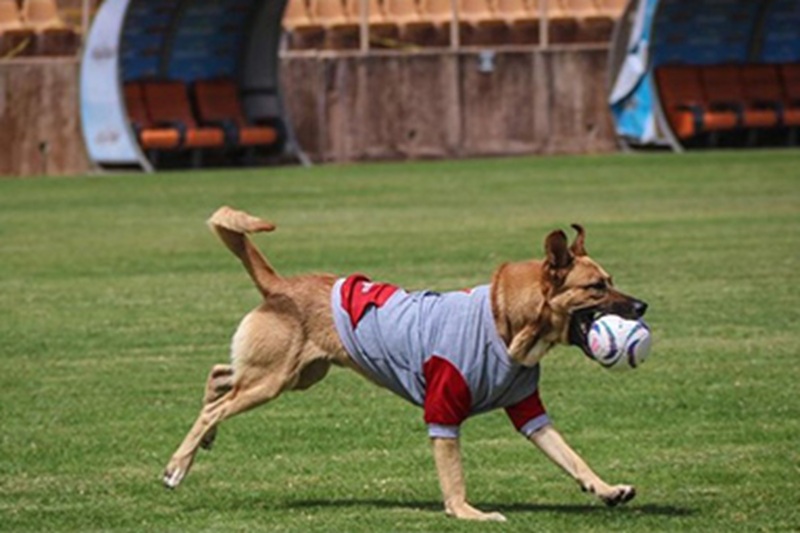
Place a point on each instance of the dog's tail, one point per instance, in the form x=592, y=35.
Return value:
x=232, y=227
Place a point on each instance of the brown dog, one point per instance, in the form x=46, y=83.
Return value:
x=290, y=341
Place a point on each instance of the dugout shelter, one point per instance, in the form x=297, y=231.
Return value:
x=183, y=78
x=688, y=73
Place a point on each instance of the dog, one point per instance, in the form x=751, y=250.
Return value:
x=455, y=354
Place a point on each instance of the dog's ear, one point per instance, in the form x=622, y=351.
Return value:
x=577, y=247
x=558, y=254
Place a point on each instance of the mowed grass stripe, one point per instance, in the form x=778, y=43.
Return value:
x=115, y=300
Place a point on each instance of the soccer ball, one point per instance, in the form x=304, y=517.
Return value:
x=618, y=343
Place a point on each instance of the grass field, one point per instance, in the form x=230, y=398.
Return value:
x=115, y=300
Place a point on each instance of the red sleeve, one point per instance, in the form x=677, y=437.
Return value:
x=447, y=396
x=525, y=411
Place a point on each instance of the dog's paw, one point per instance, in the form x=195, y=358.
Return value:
x=619, y=494
x=176, y=470
x=173, y=477
x=468, y=512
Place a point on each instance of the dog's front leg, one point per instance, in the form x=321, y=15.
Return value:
x=447, y=455
x=553, y=445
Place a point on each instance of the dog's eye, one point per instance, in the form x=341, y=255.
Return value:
x=599, y=286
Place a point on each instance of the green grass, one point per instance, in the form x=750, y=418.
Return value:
x=115, y=300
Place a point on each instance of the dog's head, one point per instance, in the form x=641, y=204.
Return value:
x=578, y=290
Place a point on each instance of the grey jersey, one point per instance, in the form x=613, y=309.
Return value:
x=440, y=351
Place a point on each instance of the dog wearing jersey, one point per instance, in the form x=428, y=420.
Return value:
x=454, y=354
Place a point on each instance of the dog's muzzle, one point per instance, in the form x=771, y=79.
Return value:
x=582, y=320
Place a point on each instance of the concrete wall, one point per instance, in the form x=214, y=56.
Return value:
x=352, y=108
x=442, y=105
x=40, y=118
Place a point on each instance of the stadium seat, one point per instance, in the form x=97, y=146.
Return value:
x=218, y=104
x=15, y=39
x=304, y=31
x=439, y=14
x=594, y=25
x=521, y=20
x=167, y=104
x=54, y=37
x=762, y=88
x=41, y=14
x=478, y=22
x=410, y=24
x=790, y=78
x=684, y=103
x=380, y=26
x=562, y=24
x=724, y=90
x=340, y=30
x=150, y=138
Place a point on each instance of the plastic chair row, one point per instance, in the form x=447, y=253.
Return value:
x=36, y=29
x=164, y=118
x=414, y=20
x=707, y=99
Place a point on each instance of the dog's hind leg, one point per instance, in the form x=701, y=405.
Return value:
x=220, y=381
x=240, y=398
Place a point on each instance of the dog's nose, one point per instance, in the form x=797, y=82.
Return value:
x=640, y=308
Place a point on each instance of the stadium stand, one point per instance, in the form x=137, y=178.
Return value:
x=427, y=22
x=218, y=105
x=16, y=40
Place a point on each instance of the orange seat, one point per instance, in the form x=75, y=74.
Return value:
x=521, y=18
x=478, y=12
x=381, y=27
x=611, y=8
x=790, y=83
x=684, y=103
x=15, y=39
x=562, y=23
x=411, y=25
x=303, y=30
x=168, y=105
x=150, y=138
x=10, y=17
x=437, y=12
x=297, y=17
x=762, y=88
x=54, y=37
x=724, y=89
x=402, y=12
x=594, y=24
x=218, y=103
x=41, y=14
x=340, y=30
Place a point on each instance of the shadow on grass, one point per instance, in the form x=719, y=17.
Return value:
x=646, y=509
